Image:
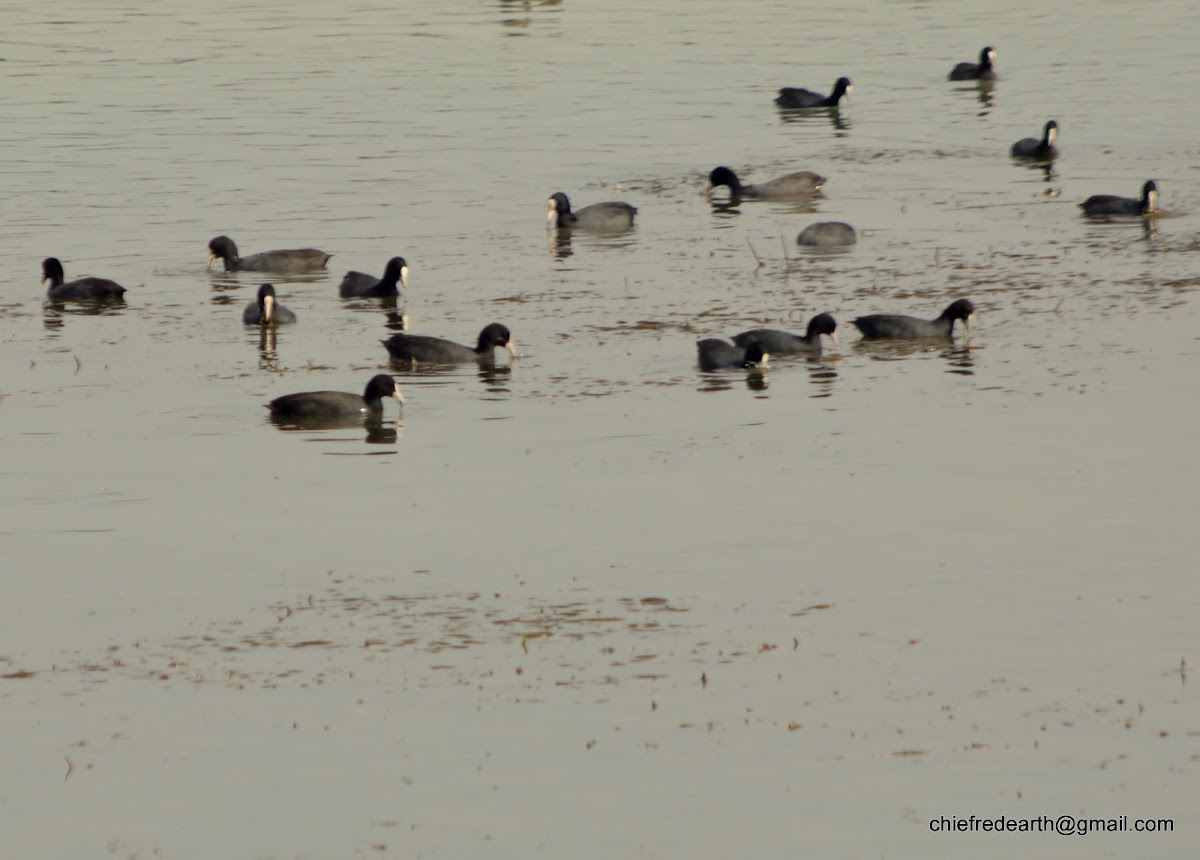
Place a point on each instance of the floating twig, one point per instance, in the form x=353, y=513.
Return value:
x=757, y=259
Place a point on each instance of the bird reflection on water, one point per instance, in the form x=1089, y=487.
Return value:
x=379, y=431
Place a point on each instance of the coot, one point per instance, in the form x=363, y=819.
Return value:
x=1031, y=147
x=798, y=97
x=981, y=71
x=715, y=354
x=610, y=216
x=79, y=290
x=436, y=350
x=297, y=260
x=265, y=310
x=772, y=340
x=362, y=285
x=880, y=326
x=802, y=184
x=338, y=404
x=1110, y=204
x=827, y=234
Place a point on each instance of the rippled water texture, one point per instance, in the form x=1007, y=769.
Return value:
x=595, y=602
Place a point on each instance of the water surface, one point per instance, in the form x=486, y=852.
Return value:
x=596, y=602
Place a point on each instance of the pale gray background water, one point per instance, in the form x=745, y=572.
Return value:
x=600, y=604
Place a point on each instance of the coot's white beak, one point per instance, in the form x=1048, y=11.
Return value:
x=404, y=276
x=268, y=309
x=511, y=347
x=212, y=258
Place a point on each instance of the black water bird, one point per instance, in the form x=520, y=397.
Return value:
x=1042, y=150
x=362, y=285
x=1110, y=204
x=607, y=217
x=338, y=404
x=827, y=234
x=981, y=71
x=802, y=184
x=289, y=261
x=435, y=350
x=798, y=97
x=265, y=310
x=896, y=326
x=775, y=341
x=79, y=290
x=715, y=354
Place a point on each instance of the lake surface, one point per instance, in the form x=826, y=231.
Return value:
x=594, y=602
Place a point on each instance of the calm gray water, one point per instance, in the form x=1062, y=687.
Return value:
x=596, y=603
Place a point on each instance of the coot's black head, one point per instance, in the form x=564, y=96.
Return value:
x=755, y=355
x=822, y=324
x=495, y=335
x=1050, y=133
x=1149, y=197
x=381, y=385
x=223, y=247
x=986, y=57
x=264, y=291
x=52, y=271
x=724, y=176
x=960, y=310
x=558, y=202
x=842, y=87
x=396, y=270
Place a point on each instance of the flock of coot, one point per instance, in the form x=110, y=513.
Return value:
x=752, y=348
x=747, y=350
